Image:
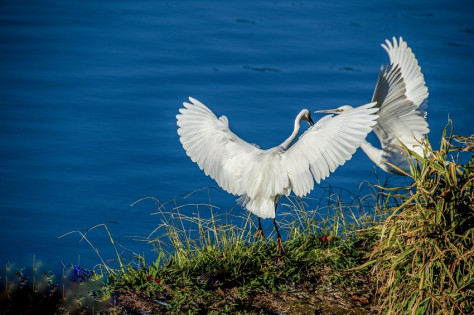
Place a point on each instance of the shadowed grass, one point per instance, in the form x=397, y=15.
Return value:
x=37, y=290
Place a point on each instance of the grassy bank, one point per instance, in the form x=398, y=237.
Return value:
x=399, y=250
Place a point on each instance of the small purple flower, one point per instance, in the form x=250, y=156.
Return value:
x=81, y=273
x=207, y=279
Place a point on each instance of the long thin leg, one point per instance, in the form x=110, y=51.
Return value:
x=260, y=231
x=279, y=241
x=278, y=233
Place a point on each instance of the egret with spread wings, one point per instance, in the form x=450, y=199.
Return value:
x=261, y=177
x=401, y=96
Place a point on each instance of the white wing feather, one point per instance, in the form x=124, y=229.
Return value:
x=210, y=143
x=325, y=146
x=402, y=56
x=258, y=176
x=401, y=95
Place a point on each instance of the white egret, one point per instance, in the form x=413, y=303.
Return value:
x=259, y=176
x=401, y=96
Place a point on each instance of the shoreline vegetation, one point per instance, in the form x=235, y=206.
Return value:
x=401, y=250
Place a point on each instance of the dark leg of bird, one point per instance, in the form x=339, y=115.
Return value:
x=260, y=231
x=279, y=241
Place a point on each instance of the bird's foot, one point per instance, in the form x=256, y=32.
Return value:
x=259, y=235
x=279, y=244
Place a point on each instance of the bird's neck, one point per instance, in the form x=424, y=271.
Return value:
x=289, y=141
x=372, y=152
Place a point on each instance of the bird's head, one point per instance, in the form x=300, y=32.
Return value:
x=339, y=110
x=306, y=115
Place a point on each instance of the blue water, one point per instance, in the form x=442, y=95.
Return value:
x=89, y=92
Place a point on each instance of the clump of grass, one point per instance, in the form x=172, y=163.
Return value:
x=424, y=261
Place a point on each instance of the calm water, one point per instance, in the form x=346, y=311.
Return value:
x=89, y=92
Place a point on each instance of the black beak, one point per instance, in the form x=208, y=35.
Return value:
x=311, y=122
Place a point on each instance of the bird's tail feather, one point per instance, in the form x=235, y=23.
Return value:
x=261, y=207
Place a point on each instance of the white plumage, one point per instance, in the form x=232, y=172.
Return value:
x=401, y=96
x=259, y=176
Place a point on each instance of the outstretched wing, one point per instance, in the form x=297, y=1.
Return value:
x=325, y=146
x=210, y=143
x=402, y=56
x=401, y=95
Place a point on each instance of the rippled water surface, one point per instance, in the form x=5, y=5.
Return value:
x=89, y=92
